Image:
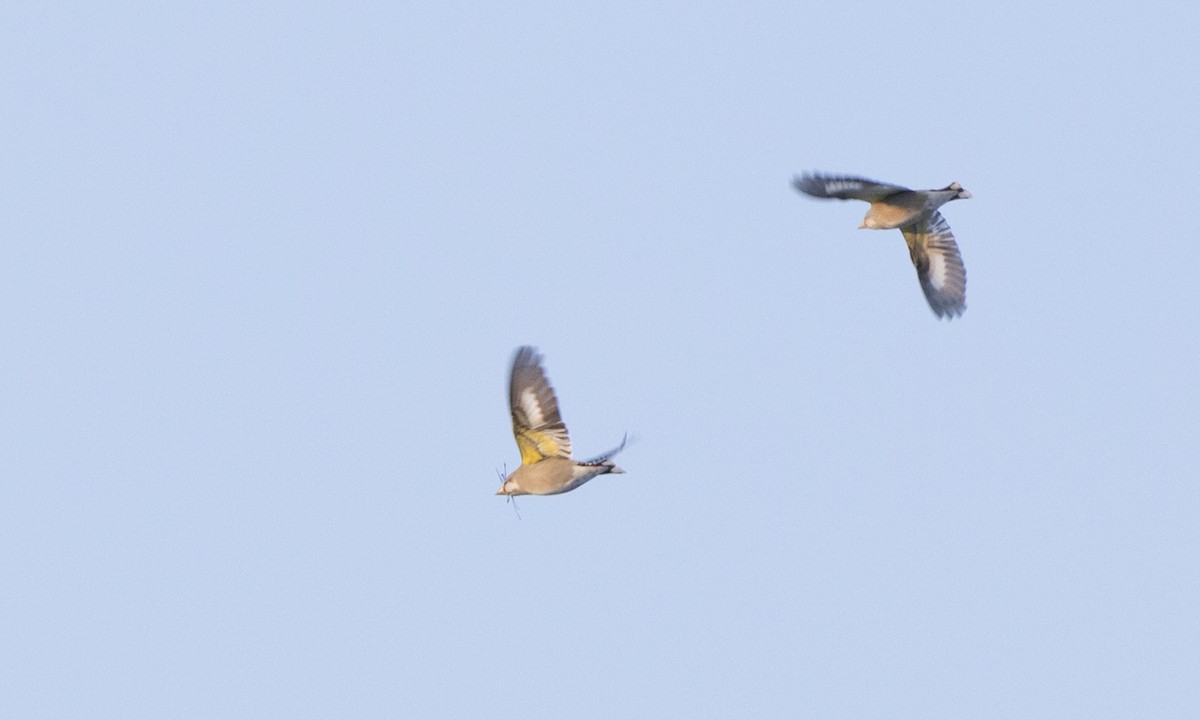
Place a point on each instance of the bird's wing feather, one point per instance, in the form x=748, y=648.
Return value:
x=537, y=425
x=605, y=457
x=939, y=265
x=844, y=187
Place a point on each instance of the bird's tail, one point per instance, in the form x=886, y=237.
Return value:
x=962, y=194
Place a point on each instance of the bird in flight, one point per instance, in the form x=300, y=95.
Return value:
x=930, y=243
x=546, y=464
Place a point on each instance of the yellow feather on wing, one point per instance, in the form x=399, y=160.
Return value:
x=535, y=445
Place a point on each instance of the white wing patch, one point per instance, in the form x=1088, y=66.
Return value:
x=937, y=271
x=532, y=408
x=837, y=186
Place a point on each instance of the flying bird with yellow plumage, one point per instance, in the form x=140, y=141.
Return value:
x=546, y=464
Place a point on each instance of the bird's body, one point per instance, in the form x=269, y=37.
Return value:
x=931, y=244
x=546, y=464
x=554, y=475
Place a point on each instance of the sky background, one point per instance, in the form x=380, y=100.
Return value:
x=265, y=265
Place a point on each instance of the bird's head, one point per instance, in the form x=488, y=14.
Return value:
x=509, y=486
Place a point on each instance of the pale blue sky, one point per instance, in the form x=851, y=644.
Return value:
x=265, y=266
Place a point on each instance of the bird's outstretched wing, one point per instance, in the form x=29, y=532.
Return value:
x=538, y=427
x=605, y=457
x=844, y=187
x=939, y=266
